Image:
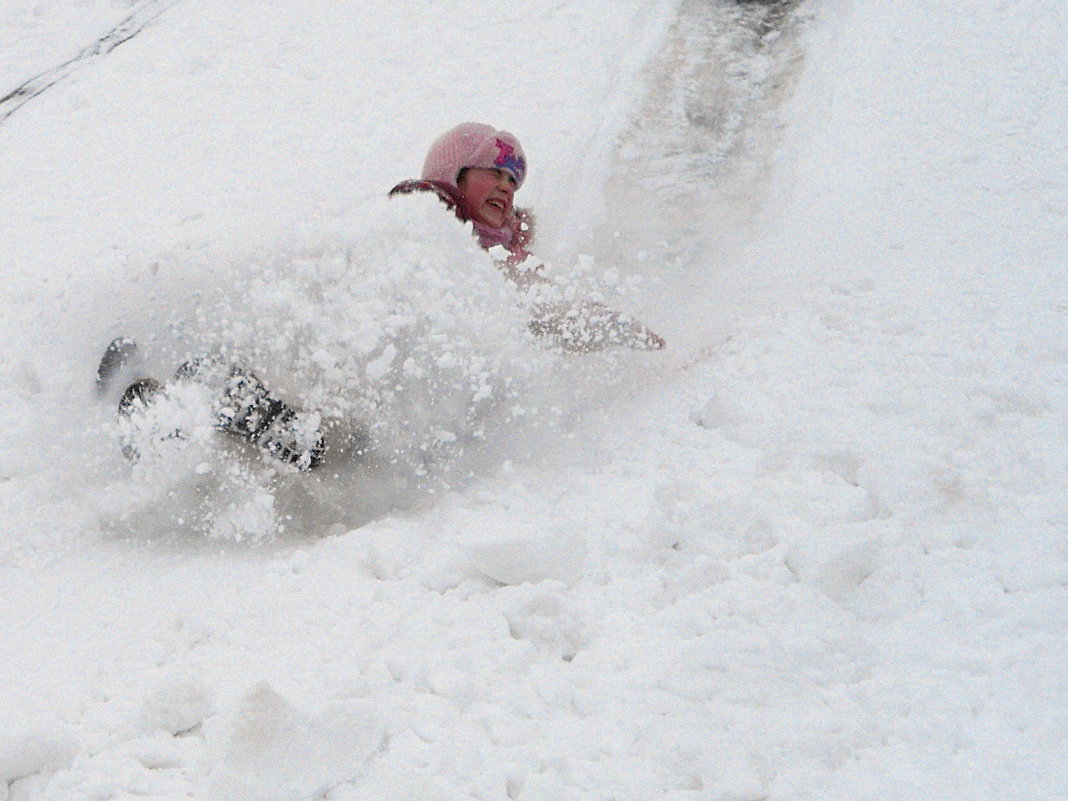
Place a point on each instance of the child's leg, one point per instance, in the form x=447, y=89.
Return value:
x=247, y=409
x=243, y=407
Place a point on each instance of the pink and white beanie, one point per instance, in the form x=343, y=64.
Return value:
x=474, y=144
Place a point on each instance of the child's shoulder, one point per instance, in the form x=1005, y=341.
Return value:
x=448, y=194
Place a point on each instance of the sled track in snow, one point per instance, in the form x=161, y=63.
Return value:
x=726, y=66
x=123, y=32
x=708, y=125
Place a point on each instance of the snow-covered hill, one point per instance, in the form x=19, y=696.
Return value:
x=816, y=549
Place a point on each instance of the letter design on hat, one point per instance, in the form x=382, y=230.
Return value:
x=505, y=160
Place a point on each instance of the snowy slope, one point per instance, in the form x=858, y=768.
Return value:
x=817, y=549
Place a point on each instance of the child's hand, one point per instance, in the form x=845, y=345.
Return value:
x=588, y=327
x=636, y=336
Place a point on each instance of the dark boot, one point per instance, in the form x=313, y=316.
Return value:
x=136, y=400
x=119, y=353
x=138, y=395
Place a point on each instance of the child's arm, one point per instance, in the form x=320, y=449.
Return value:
x=577, y=326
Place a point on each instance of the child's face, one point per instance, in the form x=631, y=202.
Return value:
x=489, y=194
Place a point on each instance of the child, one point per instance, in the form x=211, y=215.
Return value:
x=476, y=171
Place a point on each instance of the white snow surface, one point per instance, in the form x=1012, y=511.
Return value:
x=815, y=549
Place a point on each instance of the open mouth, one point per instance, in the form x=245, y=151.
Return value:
x=497, y=204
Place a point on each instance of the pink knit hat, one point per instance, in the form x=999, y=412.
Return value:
x=474, y=144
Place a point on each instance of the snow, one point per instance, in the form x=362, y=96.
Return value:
x=816, y=549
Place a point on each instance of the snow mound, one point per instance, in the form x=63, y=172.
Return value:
x=178, y=703
x=514, y=552
x=266, y=749
x=35, y=750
